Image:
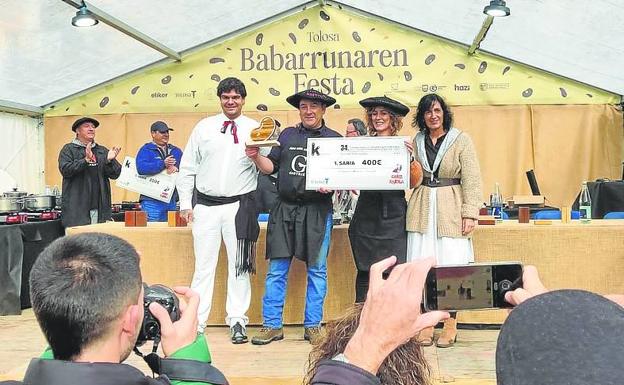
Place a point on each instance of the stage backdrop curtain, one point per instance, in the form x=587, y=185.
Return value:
x=20, y=152
x=564, y=144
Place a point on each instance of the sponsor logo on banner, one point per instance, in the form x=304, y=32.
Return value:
x=431, y=87
x=186, y=94
x=493, y=86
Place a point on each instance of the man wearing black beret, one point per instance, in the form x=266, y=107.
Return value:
x=87, y=168
x=301, y=222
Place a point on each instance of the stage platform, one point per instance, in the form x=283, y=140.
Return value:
x=469, y=362
x=573, y=255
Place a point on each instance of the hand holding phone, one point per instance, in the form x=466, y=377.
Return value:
x=473, y=286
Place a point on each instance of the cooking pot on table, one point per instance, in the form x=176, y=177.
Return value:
x=39, y=202
x=10, y=205
x=15, y=194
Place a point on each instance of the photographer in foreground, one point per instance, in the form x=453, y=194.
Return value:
x=87, y=295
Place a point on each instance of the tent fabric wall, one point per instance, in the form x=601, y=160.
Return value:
x=564, y=144
x=22, y=158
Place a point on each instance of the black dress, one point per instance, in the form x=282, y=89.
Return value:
x=377, y=231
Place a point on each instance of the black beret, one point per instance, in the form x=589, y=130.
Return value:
x=570, y=337
x=398, y=108
x=82, y=120
x=310, y=94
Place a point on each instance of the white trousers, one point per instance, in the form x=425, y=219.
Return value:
x=210, y=224
x=447, y=250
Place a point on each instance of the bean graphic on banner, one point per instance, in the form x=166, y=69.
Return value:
x=408, y=75
x=303, y=23
x=564, y=93
x=104, y=102
x=366, y=87
x=506, y=69
x=356, y=36
x=324, y=16
x=528, y=92
x=274, y=92
x=215, y=60
x=166, y=79
x=259, y=39
x=460, y=66
x=293, y=37
x=262, y=107
x=134, y=90
x=482, y=67
x=216, y=78
x=430, y=59
x=255, y=80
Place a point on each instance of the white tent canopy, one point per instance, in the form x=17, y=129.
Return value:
x=43, y=58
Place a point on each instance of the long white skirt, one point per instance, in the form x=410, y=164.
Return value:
x=448, y=251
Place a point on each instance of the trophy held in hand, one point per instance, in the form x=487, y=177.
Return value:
x=266, y=134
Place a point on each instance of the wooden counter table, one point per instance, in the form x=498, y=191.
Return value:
x=584, y=256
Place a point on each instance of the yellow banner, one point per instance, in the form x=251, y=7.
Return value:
x=337, y=52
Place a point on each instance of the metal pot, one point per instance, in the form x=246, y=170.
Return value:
x=39, y=202
x=15, y=194
x=10, y=205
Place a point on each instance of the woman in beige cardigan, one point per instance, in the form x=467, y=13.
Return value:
x=442, y=211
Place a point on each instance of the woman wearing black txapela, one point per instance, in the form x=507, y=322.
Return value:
x=377, y=229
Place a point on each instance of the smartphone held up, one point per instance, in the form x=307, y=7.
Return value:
x=471, y=287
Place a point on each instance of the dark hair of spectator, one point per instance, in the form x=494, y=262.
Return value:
x=396, y=122
x=424, y=105
x=359, y=125
x=229, y=84
x=406, y=365
x=79, y=285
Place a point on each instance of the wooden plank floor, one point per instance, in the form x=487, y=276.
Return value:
x=469, y=362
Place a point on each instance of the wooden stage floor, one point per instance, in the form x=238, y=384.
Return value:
x=469, y=362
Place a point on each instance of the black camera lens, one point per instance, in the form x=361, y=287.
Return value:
x=505, y=285
x=152, y=329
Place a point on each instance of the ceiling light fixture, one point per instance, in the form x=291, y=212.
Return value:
x=497, y=8
x=84, y=18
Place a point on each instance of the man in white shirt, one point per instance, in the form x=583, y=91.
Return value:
x=214, y=162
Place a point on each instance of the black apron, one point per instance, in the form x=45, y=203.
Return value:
x=297, y=230
x=377, y=229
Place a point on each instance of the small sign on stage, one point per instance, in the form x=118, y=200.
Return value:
x=363, y=163
x=160, y=186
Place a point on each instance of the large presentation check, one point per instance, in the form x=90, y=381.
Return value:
x=160, y=186
x=362, y=163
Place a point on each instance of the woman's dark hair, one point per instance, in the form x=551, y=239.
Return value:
x=424, y=105
x=79, y=286
x=229, y=84
x=406, y=365
x=359, y=125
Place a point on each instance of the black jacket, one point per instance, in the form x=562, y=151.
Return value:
x=331, y=372
x=289, y=158
x=77, y=184
x=53, y=372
